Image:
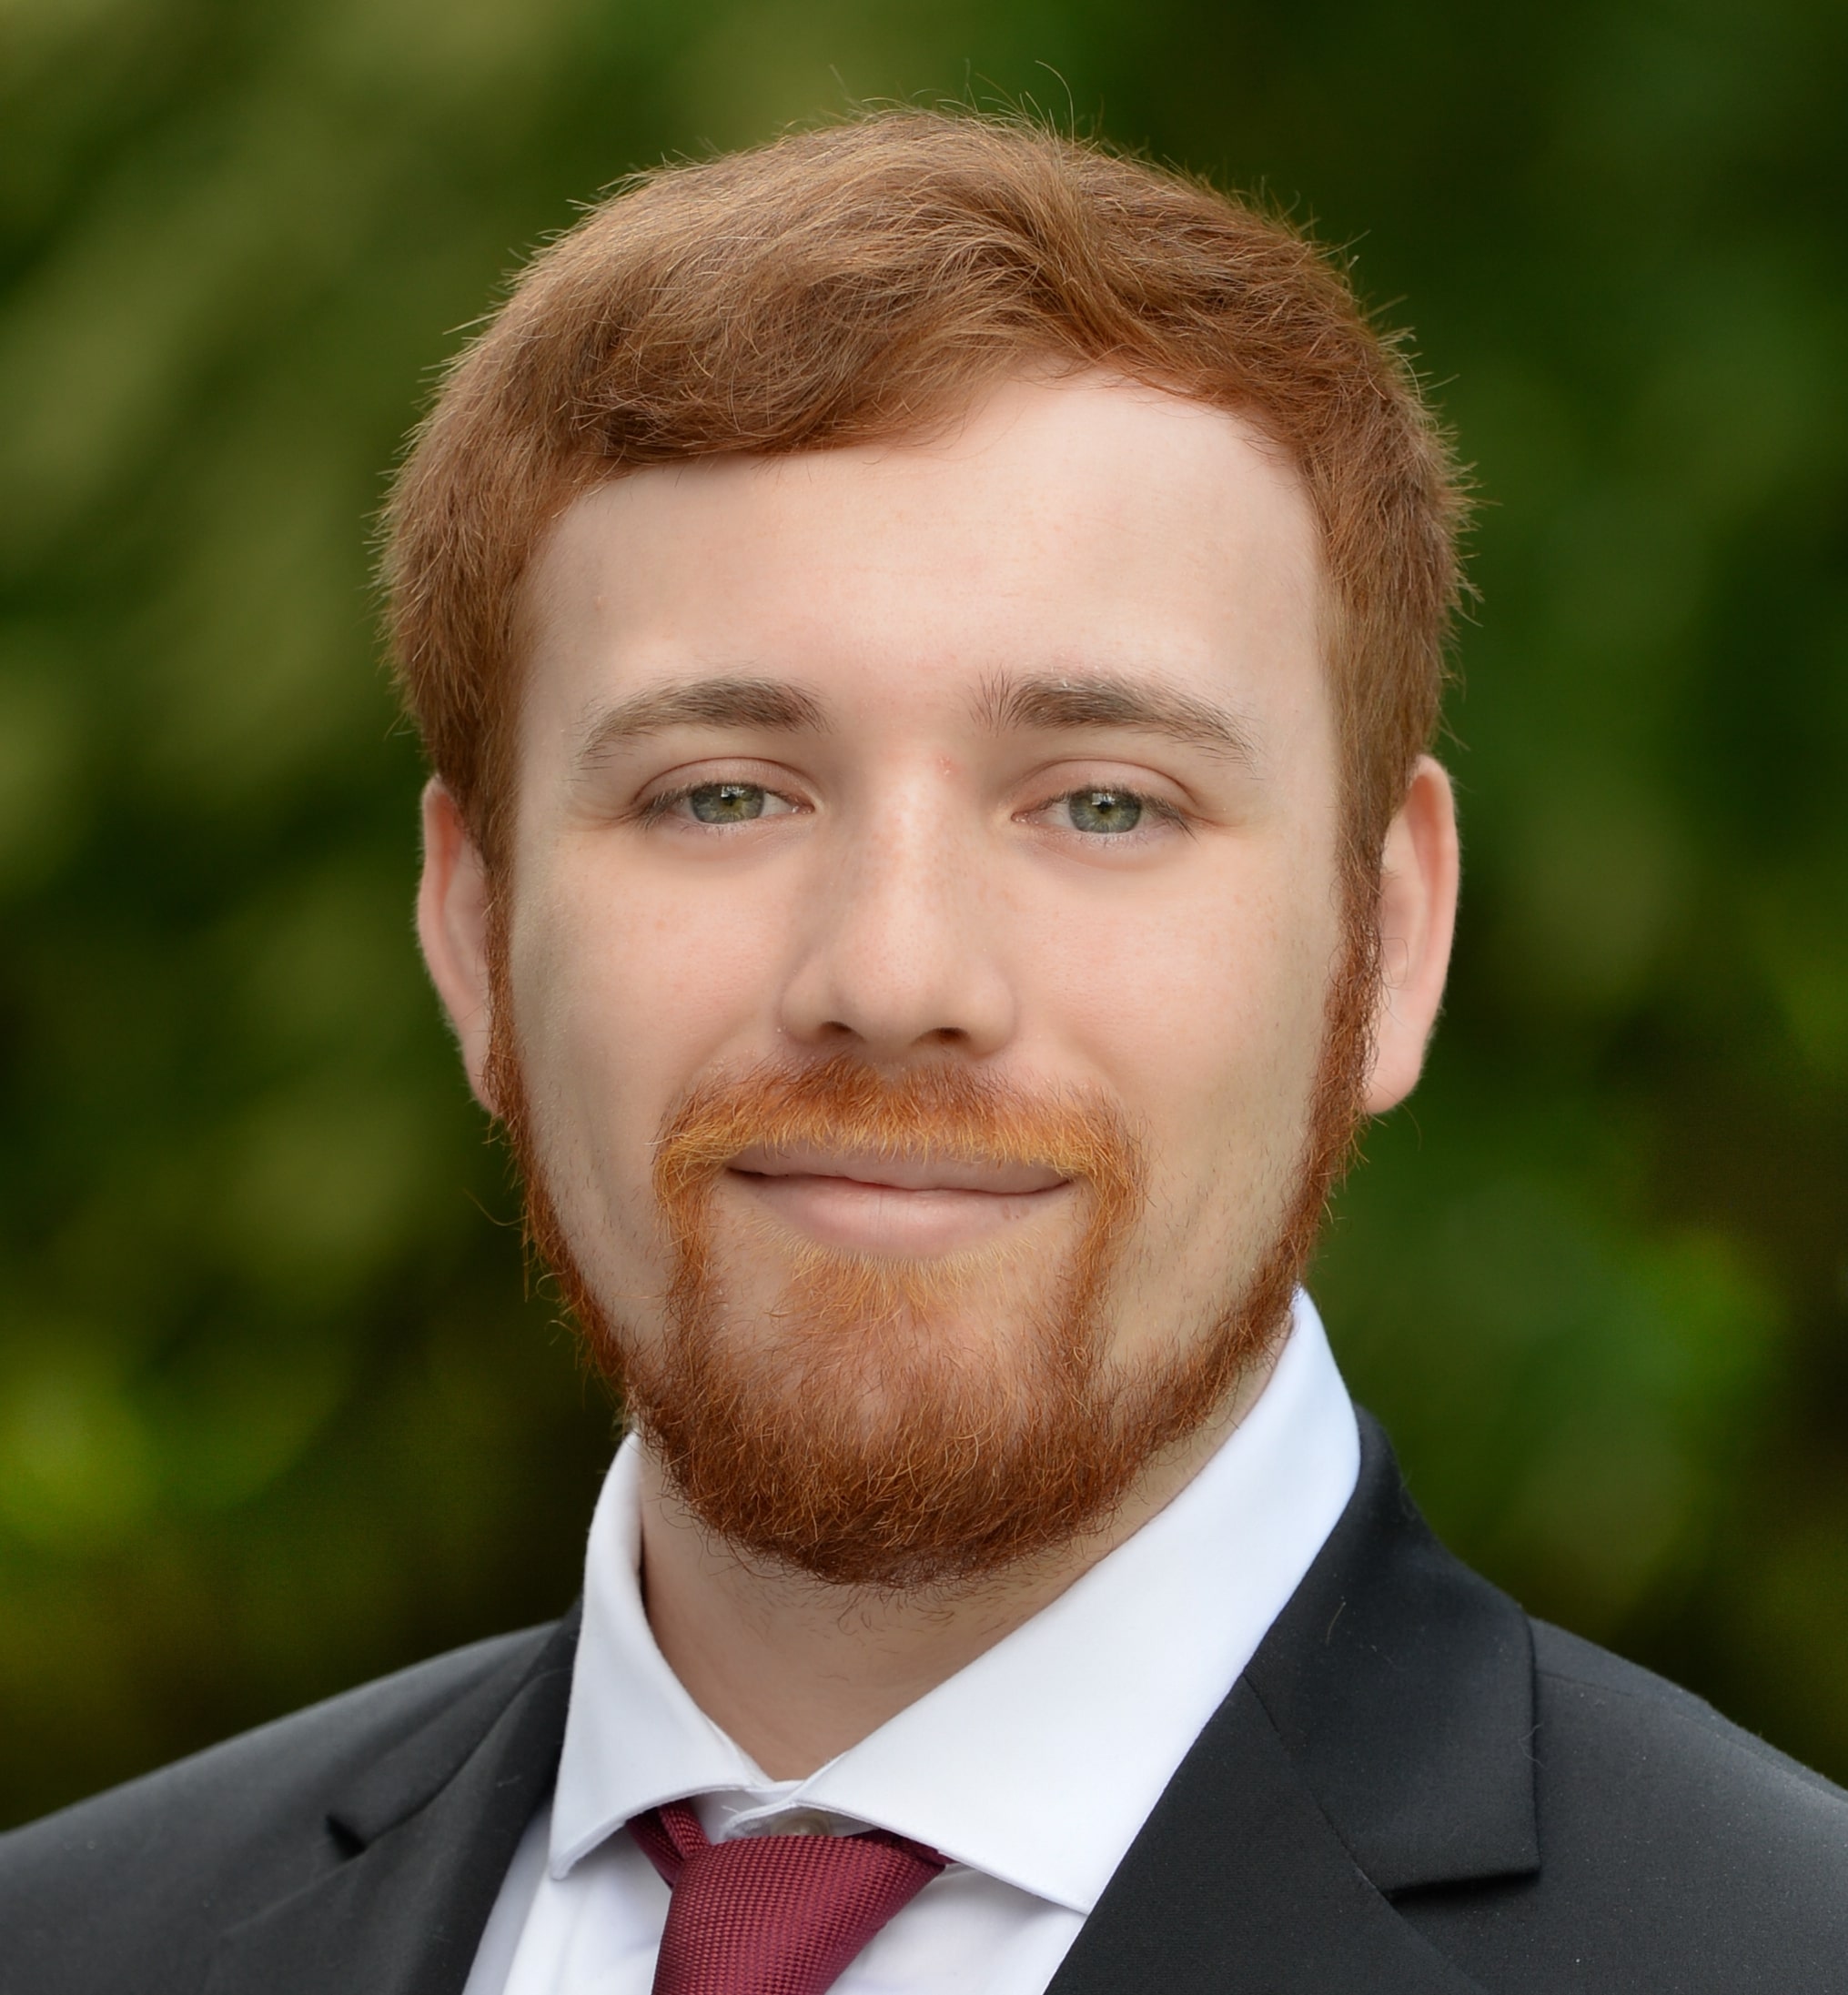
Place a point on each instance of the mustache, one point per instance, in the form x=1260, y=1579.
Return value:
x=935, y=1112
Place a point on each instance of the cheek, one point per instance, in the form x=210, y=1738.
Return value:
x=624, y=992
x=1207, y=1019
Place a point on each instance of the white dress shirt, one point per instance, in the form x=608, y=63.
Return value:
x=1032, y=1768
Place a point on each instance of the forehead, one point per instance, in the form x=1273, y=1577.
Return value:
x=1080, y=524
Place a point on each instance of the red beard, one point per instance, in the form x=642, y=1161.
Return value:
x=905, y=1425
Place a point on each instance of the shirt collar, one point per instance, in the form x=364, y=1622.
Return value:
x=1039, y=1761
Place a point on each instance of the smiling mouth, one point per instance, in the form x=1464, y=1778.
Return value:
x=866, y=1203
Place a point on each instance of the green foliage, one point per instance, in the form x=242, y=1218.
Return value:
x=275, y=1411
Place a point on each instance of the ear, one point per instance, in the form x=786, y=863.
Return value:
x=1418, y=915
x=452, y=926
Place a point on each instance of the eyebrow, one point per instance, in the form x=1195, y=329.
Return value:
x=1106, y=699
x=1037, y=702
x=721, y=703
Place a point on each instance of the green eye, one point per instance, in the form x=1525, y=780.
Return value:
x=726, y=803
x=1104, y=810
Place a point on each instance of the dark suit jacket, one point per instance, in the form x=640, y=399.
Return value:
x=1413, y=1788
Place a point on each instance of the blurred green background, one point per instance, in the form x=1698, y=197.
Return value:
x=276, y=1411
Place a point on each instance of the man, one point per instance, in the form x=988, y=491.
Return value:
x=926, y=636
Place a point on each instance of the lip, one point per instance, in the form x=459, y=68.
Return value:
x=913, y=1207
x=899, y=1173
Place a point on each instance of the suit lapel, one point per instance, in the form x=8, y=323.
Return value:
x=1379, y=1740
x=1240, y=1882
x=1401, y=1685
x=431, y=1829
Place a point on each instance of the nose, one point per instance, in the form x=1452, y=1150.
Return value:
x=903, y=953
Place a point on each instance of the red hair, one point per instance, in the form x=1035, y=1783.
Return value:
x=863, y=283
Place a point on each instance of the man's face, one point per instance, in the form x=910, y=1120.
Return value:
x=1006, y=758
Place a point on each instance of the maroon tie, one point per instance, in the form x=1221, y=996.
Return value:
x=772, y=1915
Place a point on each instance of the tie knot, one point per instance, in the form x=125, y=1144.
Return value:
x=772, y=1915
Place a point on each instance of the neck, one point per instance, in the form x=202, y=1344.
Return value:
x=796, y=1671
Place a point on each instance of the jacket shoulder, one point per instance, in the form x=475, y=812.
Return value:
x=1677, y=1850
x=161, y=1861
x=1587, y=1690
